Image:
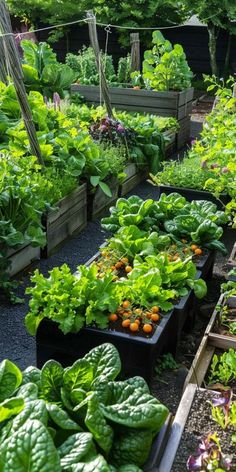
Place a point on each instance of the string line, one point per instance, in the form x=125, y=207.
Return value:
x=85, y=20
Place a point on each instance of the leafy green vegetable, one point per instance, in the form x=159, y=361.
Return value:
x=47, y=426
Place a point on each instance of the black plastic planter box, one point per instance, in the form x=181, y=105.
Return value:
x=138, y=354
x=205, y=264
x=191, y=194
x=184, y=316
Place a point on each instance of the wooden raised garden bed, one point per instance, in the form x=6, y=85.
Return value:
x=99, y=202
x=192, y=423
x=68, y=217
x=134, y=177
x=21, y=258
x=191, y=194
x=202, y=360
x=220, y=332
x=177, y=104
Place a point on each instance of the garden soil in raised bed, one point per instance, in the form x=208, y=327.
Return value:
x=199, y=424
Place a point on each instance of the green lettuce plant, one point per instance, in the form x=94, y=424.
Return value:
x=198, y=221
x=42, y=71
x=77, y=418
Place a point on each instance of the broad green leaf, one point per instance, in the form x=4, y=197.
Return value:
x=31, y=449
x=104, y=187
x=132, y=447
x=28, y=391
x=33, y=410
x=98, y=426
x=75, y=448
x=61, y=418
x=10, y=379
x=10, y=408
x=105, y=361
x=98, y=464
x=51, y=381
x=130, y=407
x=80, y=375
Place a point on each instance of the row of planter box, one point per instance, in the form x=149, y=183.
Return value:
x=138, y=354
x=196, y=378
x=176, y=104
x=72, y=212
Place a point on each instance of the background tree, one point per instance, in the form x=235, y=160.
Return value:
x=142, y=13
x=216, y=14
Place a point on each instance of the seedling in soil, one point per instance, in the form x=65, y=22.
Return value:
x=223, y=368
x=165, y=362
x=224, y=410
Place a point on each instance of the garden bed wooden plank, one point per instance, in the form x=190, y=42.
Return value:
x=203, y=357
x=161, y=103
x=232, y=257
x=21, y=258
x=177, y=428
x=68, y=217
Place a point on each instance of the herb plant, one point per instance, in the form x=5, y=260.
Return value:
x=77, y=418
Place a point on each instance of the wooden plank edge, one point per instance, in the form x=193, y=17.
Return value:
x=200, y=363
x=177, y=428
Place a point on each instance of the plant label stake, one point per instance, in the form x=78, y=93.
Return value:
x=95, y=45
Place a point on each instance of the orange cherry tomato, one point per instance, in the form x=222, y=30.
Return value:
x=128, y=269
x=155, y=309
x=138, y=311
x=125, y=260
x=155, y=317
x=113, y=317
x=198, y=251
x=126, y=304
x=194, y=247
x=118, y=265
x=134, y=326
x=147, y=328
x=125, y=323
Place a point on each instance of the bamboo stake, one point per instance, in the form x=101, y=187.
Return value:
x=95, y=45
x=13, y=64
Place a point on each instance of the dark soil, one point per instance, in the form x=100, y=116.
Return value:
x=198, y=426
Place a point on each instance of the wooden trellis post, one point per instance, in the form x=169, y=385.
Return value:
x=135, y=52
x=95, y=45
x=13, y=63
